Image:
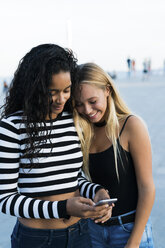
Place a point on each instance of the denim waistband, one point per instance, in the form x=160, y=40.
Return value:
x=19, y=227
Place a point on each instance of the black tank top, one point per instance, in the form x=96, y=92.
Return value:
x=102, y=170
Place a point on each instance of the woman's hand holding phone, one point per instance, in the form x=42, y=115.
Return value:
x=102, y=194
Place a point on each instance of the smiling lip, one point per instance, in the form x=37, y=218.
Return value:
x=58, y=107
x=92, y=116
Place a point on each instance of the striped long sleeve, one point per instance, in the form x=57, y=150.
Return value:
x=87, y=189
x=11, y=201
x=57, y=171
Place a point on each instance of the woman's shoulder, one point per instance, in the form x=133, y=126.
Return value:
x=135, y=126
x=13, y=118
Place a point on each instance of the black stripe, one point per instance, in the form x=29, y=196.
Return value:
x=8, y=181
x=23, y=119
x=52, y=136
x=47, y=183
x=57, y=163
x=8, y=149
x=9, y=160
x=9, y=127
x=4, y=206
x=40, y=209
x=50, y=210
x=13, y=204
x=9, y=171
x=31, y=209
x=48, y=128
x=16, y=114
x=91, y=192
x=54, y=154
x=62, y=209
x=21, y=213
x=85, y=188
x=57, y=144
x=4, y=191
x=51, y=173
x=53, y=192
x=9, y=139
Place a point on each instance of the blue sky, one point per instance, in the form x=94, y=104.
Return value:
x=102, y=31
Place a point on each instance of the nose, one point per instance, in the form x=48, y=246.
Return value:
x=60, y=98
x=87, y=109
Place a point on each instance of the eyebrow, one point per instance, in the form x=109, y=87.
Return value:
x=59, y=90
x=89, y=99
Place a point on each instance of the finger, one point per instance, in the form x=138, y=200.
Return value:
x=105, y=211
x=103, y=218
x=86, y=201
x=105, y=206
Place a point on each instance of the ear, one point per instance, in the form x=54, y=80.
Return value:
x=107, y=90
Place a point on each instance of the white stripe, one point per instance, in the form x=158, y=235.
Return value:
x=59, y=149
x=8, y=133
x=4, y=195
x=8, y=186
x=9, y=176
x=45, y=210
x=8, y=203
x=82, y=188
x=94, y=188
x=62, y=139
x=35, y=207
x=48, y=178
x=88, y=190
x=81, y=180
x=26, y=208
x=63, y=130
x=59, y=139
x=54, y=158
x=55, y=211
x=17, y=204
x=9, y=144
x=15, y=117
x=9, y=155
x=48, y=188
x=49, y=169
x=9, y=166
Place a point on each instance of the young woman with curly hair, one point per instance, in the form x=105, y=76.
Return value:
x=40, y=156
x=117, y=146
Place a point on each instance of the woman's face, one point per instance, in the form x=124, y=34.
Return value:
x=91, y=102
x=60, y=90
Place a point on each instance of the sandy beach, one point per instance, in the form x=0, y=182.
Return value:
x=146, y=99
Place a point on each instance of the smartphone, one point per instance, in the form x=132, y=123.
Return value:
x=106, y=201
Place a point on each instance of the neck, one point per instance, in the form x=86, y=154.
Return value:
x=100, y=124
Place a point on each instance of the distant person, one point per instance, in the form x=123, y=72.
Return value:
x=117, y=145
x=5, y=87
x=149, y=66
x=129, y=66
x=145, y=69
x=133, y=65
x=41, y=158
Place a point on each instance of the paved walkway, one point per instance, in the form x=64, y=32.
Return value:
x=146, y=99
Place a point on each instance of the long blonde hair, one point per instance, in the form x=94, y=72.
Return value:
x=117, y=110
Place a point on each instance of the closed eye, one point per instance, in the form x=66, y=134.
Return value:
x=67, y=91
x=78, y=104
x=92, y=102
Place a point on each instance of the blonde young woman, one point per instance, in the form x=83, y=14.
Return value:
x=117, y=148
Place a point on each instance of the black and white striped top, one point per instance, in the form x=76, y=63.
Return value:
x=55, y=171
